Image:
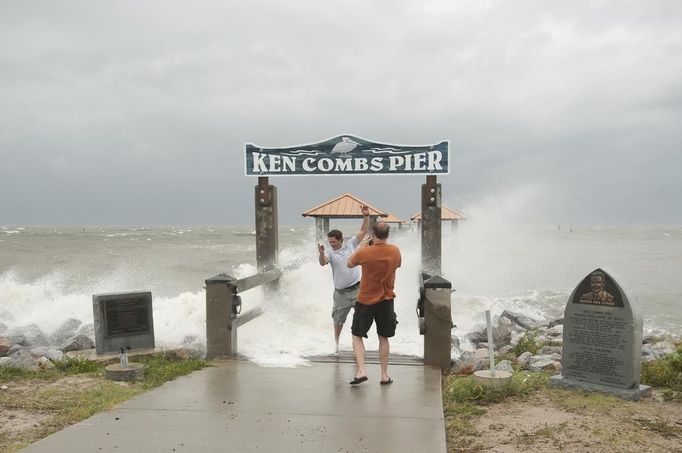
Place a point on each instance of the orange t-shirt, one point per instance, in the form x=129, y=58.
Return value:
x=379, y=263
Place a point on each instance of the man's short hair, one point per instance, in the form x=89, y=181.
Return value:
x=381, y=230
x=336, y=234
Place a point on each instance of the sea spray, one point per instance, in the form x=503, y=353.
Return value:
x=49, y=274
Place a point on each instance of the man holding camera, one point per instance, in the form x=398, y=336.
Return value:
x=346, y=281
x=375, y=298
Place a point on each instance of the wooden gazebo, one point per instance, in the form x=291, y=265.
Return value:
x=392, y=218
x=345, y=206
x=446, y=215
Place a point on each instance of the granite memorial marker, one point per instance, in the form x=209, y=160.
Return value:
x=602, y=343
x=123, y=320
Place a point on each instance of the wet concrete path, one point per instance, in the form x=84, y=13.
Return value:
x=237, y=406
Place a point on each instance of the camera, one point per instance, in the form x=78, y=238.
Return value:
x=370, y=240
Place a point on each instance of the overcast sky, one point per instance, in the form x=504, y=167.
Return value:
x=137, y=112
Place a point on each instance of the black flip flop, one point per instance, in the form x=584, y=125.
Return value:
x=358, y=380
x=390, y=381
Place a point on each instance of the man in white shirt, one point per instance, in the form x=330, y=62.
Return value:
x=346, y=280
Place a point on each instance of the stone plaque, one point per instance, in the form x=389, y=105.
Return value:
x=602, y=342
x=126, y=316
x=123, y=320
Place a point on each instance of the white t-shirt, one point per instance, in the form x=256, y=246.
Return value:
x=343, y=276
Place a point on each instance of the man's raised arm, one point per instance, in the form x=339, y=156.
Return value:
x=323, y=258
x=365, y=224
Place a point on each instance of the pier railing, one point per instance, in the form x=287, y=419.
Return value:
x=435, y=319
x=224, y=306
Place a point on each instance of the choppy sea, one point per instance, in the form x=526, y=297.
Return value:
x=48, y=274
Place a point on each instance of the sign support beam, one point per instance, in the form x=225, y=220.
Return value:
x=431, y=226
x=267, y=241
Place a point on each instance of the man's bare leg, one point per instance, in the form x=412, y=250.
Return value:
x=384, y=348
x=359, y=349
x=337, y=334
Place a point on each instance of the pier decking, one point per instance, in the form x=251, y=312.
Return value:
x=240, y=407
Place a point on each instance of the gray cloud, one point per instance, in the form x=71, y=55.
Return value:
x=137, y=112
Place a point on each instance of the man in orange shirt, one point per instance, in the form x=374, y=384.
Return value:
x=375, y=299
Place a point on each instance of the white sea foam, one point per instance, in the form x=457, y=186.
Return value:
x=493, y=263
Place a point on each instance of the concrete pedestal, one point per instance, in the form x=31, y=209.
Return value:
x=501, y=378
x=133, y=372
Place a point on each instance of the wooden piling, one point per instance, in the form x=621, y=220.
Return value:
x=431, y=226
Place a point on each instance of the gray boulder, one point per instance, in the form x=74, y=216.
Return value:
x=649, y=354
x=556, y=322
x=551, y=366
x=30, y=335
x=524, y=360
x=77, y=343
x=648, y=338
x=663, y=348
x=6, y=316
x=23, y=358
x=454, y=342
x=539, y=357
x=65, y=331
x=44, y=363
x=505, y=349
x=516, y=336
x=55, y=355
x=504, y=365
x=5, y=344
x=482, y=353
x=521, y=320
x=502, y=332
x=468, y=363
x=18, y=339
x=3, y=328
x=87, y=329
x=546, y=350
x=5, y=361
x=476, y=337
x=40, y=351
x=555, y=331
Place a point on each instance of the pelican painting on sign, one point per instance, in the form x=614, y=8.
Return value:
x=345, y=155
x=345, y=146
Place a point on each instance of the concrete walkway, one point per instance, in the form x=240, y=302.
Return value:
x=237, y=406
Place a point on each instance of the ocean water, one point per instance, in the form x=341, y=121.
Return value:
x=49, y=273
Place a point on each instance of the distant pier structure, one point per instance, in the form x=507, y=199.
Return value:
x=446, y=215
x=345, y=206
x=395, y=220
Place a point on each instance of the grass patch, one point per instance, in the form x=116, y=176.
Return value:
x=458, y=389
x=665, y=372
x=75, y=390
x=464, y=399
x=528, y=343
x=77, y=366
x=577, y=401
x=62, y=368
x=165, y=367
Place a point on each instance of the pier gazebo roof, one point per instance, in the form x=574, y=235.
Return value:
x=445, y=214
x=345, y=206
x=392, y=218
